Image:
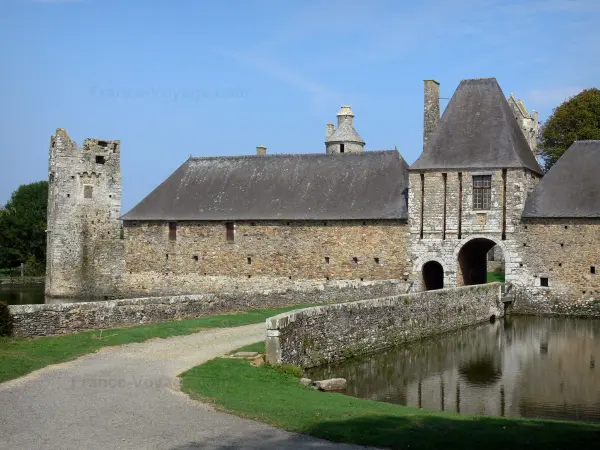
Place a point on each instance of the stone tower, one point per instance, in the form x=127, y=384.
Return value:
x=529, y=123
x=84, y=246
x=345, y=139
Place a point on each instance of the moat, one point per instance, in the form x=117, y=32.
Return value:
x=22, y=294
x=519, y=366
x=30, y=294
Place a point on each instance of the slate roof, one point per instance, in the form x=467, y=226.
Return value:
x=345, y=133
x=368, y=185
x=477, y=131
x=571, y=188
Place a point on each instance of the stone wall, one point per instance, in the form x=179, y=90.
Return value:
x=157, y=264
x=566, y=252
x=319, y=335
x=443, y=244
x=84, y=249
x=55, y=319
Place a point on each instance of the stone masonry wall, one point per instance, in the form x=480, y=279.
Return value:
x=84, y=249
x=62, y=318
x=434, y=246
x=324, y=334
x=567, y=253
x=158, y=265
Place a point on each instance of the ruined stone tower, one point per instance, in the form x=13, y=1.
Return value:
x=345, y=139
x=529, y=123
x=84, y=246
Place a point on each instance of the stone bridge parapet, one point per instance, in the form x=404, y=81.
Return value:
x=324, y=334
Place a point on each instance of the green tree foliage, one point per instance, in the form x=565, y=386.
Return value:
x=578, y=118
x=23, y=227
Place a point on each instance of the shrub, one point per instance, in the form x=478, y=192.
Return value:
x=34, y=268
x=5, y=320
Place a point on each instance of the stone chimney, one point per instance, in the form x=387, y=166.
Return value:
x=431, y=113
x=330, y=129
x=261, y=150
x=345, y=115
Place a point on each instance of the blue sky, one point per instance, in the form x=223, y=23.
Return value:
x=180, y=78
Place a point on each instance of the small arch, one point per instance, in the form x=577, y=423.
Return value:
x=433, y=275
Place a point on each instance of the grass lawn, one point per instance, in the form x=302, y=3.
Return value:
x=276, y=397
x=19, y=356
x=495, y=276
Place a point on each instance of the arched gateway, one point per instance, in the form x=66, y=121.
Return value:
x=472, y=261
x=433, y=275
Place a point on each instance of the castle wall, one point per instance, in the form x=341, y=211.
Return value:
x=566, y=252
x=430, y=240
x=156, y=264
x=84, y=249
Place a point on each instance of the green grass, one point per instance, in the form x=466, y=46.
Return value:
x=277, y=398
x=495, y=276
x=19, y=356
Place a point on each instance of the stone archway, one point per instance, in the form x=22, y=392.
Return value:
x=433, y=275
x=472, y=261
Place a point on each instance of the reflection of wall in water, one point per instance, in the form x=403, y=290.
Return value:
x=508, y=368
x=565, y=364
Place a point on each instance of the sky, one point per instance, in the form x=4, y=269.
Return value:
x=176, y=78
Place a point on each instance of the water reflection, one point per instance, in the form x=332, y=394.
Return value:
x=518, y=366
x=32, y=294
x=21, y=295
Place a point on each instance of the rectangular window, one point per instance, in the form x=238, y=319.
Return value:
x=88, y=191
x=482, y=191
x=230, y=231
x=544, y=282
x=172, y=231
x=100, y=159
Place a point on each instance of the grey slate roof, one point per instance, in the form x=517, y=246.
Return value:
x=477, y=131
x=345, y=133
x=368, y=185
x=571, y=188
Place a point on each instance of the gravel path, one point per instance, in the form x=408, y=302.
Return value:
x=127, y=397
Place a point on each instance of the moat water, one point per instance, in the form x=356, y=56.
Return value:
x=519, y=366
x=21, y=295
x=31, y=294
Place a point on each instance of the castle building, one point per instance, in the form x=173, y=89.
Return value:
x=468, y=187
x=345, y=213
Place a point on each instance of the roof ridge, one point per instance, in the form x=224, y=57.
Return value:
x=281, y=155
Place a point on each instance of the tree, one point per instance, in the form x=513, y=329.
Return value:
x=23, y=227
x=578, y=118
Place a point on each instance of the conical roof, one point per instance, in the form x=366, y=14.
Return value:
x=571, y=188
x=477, y=131
x=345, y=131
